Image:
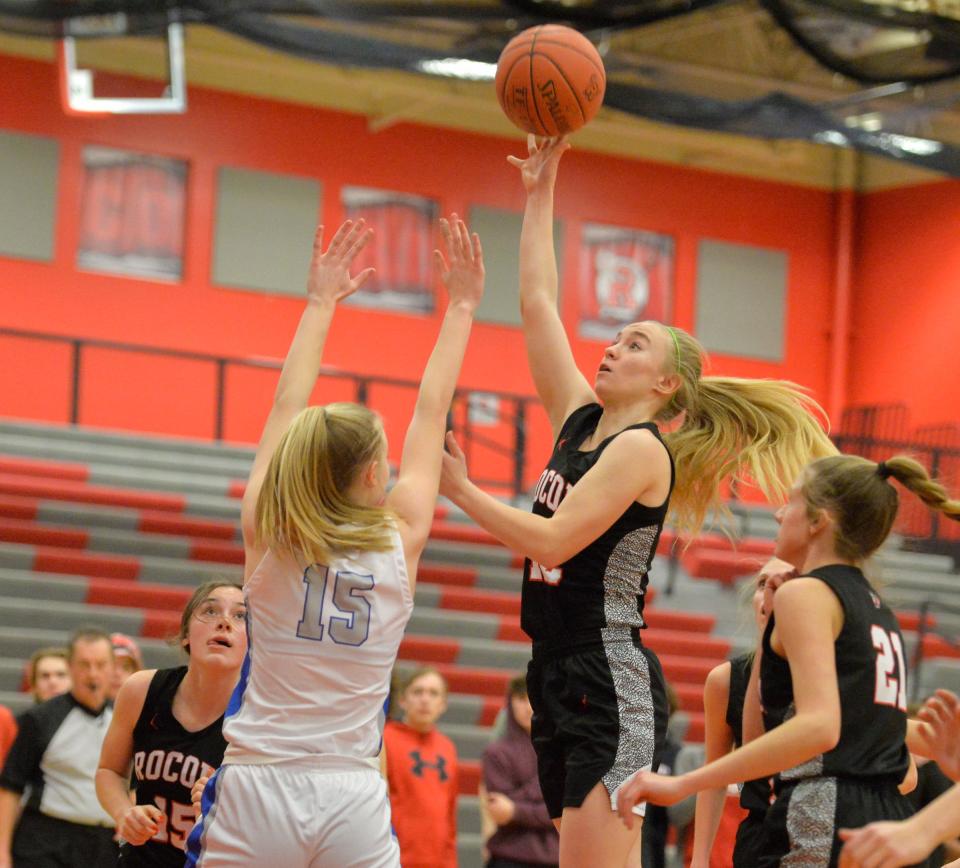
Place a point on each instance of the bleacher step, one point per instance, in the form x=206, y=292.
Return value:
x=147, y=442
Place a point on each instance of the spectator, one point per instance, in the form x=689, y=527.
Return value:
x=45, y=676
x=126, y=660
x=51, y=768
x=422, y=775
x=48, y=674
x=525, y=835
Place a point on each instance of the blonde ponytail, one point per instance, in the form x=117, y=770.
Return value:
x=761, y=432
x=302, y=508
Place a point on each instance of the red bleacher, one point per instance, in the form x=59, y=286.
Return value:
x=53, y=489
x=719, y=564
x=44, y=469
x=682, y=640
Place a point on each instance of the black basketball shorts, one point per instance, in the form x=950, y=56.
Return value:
x=599, y=714
x=749, y=841
x=801, y=826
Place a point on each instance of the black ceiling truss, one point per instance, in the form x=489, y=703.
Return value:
x=912, y=49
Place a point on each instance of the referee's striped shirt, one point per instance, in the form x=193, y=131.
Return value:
x=54, y=759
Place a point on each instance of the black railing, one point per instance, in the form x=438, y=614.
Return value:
x=937, y=448
x=512, y=408
x=928, y=625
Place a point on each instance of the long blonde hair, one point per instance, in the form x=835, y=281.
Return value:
x=303, y=508
x=762, y=432
x=855, y=491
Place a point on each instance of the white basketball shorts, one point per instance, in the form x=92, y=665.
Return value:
x=295, y=816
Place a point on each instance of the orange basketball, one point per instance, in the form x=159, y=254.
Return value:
x=550, y=80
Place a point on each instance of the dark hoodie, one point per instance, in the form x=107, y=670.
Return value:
x=510, y=767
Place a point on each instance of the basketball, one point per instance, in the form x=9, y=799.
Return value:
x=550, y=80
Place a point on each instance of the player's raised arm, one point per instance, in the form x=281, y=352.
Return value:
x=560, y=385
x=414, y=496
x=329, y=282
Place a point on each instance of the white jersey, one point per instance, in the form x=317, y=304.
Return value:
x=322, y=645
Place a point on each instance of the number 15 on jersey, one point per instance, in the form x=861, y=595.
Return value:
x=349, y=621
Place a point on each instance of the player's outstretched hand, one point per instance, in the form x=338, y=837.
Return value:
x=453, y=475
x=329, y=280
x=461, y=270
x=940, y=731
x=538, y=169
x=140, y=823
x=883, y=845
x=196, y=795
x=649, y=787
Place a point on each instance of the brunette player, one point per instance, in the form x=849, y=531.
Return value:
x=832, y=671
x=167, y=726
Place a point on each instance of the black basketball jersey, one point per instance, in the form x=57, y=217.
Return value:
x=754, y=795
x=602, y=585
x=871, y=676
x=167, y=760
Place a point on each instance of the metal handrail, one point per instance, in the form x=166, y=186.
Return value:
x=877, y=447
x=927, y=625
x=361, y=382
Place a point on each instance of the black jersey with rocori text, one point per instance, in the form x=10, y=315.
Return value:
x=604, y=584
x=167, y=760
x=871, y=676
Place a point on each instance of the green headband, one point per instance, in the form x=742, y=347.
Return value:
x=676, y=343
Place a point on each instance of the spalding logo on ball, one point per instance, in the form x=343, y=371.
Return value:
x=550, y=80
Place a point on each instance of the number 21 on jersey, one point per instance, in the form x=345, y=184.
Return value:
x=539, y=573
x=351, y=624
x=891, y=687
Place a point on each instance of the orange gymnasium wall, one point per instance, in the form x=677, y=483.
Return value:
x=457, y=169
x=906, y=316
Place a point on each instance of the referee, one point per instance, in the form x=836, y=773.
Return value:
x=50, y=770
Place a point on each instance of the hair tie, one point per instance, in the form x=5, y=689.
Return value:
x=676, y=343
x=883, y=471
